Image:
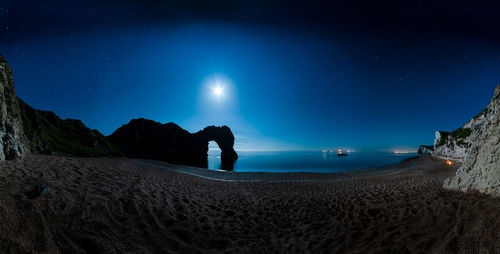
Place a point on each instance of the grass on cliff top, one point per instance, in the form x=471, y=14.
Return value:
x=459, y=135
x=53, y=135
x=483, y=112
x=66, y=138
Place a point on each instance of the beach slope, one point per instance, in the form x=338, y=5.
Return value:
x=118, y=205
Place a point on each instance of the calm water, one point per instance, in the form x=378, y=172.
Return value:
x=306, y=161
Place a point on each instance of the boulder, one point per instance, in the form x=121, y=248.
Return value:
x=143, y=138
x=481, y=168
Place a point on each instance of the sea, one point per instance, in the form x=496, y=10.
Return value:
x=307, y=161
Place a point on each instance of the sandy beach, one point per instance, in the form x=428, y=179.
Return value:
x=119, y=205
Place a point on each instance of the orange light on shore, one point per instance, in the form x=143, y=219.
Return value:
x=449, y=162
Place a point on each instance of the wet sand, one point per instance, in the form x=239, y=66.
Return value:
x=119, y=205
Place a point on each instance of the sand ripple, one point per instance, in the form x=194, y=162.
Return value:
x=106, y=205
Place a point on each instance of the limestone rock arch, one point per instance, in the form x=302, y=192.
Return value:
x=143, y=138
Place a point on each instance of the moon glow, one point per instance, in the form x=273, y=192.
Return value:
x=218, y=91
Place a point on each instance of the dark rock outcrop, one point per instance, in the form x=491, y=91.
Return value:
x=425, y=149
x=11, y=138
x=46, y=133
x=142, y=138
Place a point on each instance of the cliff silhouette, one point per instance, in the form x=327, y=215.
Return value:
x=143, y=138
x=25, y=130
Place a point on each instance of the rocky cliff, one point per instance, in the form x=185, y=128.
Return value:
x=451, y=145
x=455, y=145
x=27, y=130
x=142, y=138
x=24, y=129
x=481, y=168
x=11, y=138
x=425, y=149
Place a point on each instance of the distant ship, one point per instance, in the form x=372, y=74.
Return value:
x=341, y=153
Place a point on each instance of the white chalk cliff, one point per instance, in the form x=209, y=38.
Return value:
x=481, y=168
x=455, y=145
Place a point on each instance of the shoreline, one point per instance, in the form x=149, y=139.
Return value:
x=420, y=161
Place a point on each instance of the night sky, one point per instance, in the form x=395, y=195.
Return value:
x=295, y=74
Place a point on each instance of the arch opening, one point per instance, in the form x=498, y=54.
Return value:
x=214, y=157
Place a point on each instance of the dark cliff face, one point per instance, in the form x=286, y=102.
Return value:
x=24, y=129
x=142, y=138
x=46, y=133
x=27, y=130
x=11, y=138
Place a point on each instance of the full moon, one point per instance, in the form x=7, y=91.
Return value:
x=218, y=91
